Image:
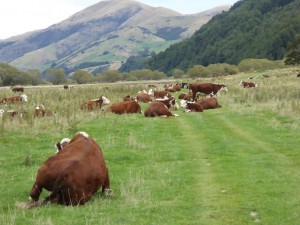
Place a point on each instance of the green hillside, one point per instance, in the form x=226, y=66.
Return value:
x=250, y=29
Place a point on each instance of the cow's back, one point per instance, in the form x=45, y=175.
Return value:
x=125, y=107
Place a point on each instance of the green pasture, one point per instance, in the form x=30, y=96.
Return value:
x=239, y=164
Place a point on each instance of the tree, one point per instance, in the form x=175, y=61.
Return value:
x=198, y=71
x=177, y=73
x=56, y=76
x=82, y=76
x=293, y=52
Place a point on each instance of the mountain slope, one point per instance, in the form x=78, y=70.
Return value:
x=106, y=33
x=250, y=29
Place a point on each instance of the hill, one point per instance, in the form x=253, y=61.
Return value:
x=102, y=36
x=250, y=29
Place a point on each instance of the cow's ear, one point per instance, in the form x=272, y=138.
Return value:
x=58, y=146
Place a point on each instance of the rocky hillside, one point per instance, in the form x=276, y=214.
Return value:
x=102, y=36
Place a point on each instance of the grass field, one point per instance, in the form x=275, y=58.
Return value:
x=239, y=164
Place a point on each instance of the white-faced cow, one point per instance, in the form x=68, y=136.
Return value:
x=95, y=103
x=210, y=89
x=248, y=84
x=191, y=106
x=159, y=94
x=159, y=109
x=125, y=107
x=74, y=174
x=169, y=102
x=14, y=99
x=41, y=111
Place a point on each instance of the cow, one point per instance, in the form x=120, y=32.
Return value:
x=210, y=89
x=66, y=87
x=248, y=84
x=298, y=75
x=14, y=99
x=125, y=107
x=95, y=103
x=173, y=88
x=185, y=96
x=61, y=144
x=169, y=102
x=159, y=94
x=157, y=108
x=191, y=106
x=74, y=174
x=128, y=98
x=12, y=113
x=40, y=110
x=18, y=89
x=143, y=97
x=185, y=85
x=209, y=103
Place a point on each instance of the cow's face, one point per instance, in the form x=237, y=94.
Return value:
x=24, y=97
x=105, y=101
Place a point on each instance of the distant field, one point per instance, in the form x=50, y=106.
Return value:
x=239, y=164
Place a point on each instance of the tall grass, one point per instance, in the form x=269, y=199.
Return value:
x=235, y=165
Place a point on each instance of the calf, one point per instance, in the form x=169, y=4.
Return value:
x=125, y=107
x=74, y=174
x=191, y=106
x=95, y=103
x=248, y=84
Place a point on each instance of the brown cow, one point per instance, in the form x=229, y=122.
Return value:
x=125, y=107
x=159, y=94
x=12, y=113
x=247, y=84
x=173, y=88
x=209, y=103
x=143, y=97
x=157, y=108
x=95, y=103
x=185, y=96
x=14, y=99
x=128, y=98
x=74, y=174
x=18, y=89
x=191, y=106
x=207, y=89
x=169, y=102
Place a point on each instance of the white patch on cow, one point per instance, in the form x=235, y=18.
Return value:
x=144, y=91
x=83, y=134
x=105, y=101
x=40, y=107
x=24, y=97
x=183, y=103
x=175, y=106
x=150, y=92
x=1, y=112
x=176, y=115
x=224, y=89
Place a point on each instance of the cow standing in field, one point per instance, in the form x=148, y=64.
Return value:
x=95, y=103
x=157, y=108
x=74, y=174
x=210, y=89
x=125, y=107
x=18, y=89
x=248, y=84
x=14, y=99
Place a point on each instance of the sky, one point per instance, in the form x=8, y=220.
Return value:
x=21, y=16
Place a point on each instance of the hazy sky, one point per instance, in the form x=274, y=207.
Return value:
x=20, y=16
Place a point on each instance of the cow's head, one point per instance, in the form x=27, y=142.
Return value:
x=60, y=145
x=104, y=101
x=23, y=97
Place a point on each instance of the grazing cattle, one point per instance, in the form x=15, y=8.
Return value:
x=18, y=89
x=40, y=110
x=66, y=87
x=125, y=107
x=247, y=84
x=143, y=97
x=209, y=103
x=207, y=89
x=95, y=103
x=191, y=106
x=157, y=108
x=127, y=98
x=169, y=102
x=74, y=174
x=159, y=94
x=14, y=99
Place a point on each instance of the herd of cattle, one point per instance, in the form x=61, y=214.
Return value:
x=78, y=169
